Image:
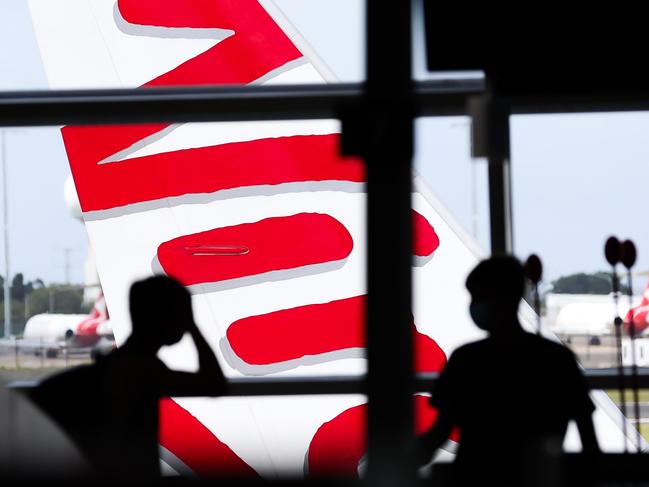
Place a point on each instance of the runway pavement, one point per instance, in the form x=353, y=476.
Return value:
x=593, y=356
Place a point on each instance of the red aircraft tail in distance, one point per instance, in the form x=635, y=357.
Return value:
x=638, y=315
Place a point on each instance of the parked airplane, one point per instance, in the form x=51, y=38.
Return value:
x=583, y=314
x=52, y=332
x=263, y=221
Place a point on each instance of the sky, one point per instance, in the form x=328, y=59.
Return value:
x=576, y=179
x=40, y=225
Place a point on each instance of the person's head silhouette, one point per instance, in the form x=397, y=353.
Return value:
x=496, y=286
x=161, y=311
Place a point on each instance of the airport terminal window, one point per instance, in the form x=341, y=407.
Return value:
x=443, y=161
x=576, y=180
x=309, y=211
x=128, y=49
x=125, y=50
x=263, y=242
x=132, y=237
x=307, y=435
x=263, y=221
x=53, y=286
x=452, y=188
x=145, y=215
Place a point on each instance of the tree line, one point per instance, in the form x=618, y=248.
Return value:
x=29, y=298
x=581, y=283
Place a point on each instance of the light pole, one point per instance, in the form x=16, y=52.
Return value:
x=66, y=265
x=7, y=292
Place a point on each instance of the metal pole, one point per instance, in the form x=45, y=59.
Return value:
x=195, y=104
x=388, y=152
x=500, y=205
x=7, y=291
x=634, y=365
x=474, y=201
x=490, y=139
x=617, y=322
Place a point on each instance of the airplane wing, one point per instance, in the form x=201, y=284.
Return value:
x=263, y=221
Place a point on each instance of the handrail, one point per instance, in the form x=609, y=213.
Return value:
x=286, y=386
x=217, y=103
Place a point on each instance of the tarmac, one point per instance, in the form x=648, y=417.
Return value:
x=17, y=364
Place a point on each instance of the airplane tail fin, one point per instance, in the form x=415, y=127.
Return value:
x=97, y=324
x=638, y=315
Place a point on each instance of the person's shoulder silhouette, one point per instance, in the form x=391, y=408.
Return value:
x=512, y=391
x=110, y=408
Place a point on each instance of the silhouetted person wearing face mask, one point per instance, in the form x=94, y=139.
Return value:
x=510, y=395
x=110, y=409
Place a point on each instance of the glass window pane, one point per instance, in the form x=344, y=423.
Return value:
x=273, y=437
x=642, y=421
x=106, y=44
x=264, y=222
x=458, y=190
x=443, y=161
x=53, y=287
x=576, y=180
x=449, y=191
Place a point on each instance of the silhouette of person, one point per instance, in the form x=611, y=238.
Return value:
x=110, y=408
x=510, y=395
